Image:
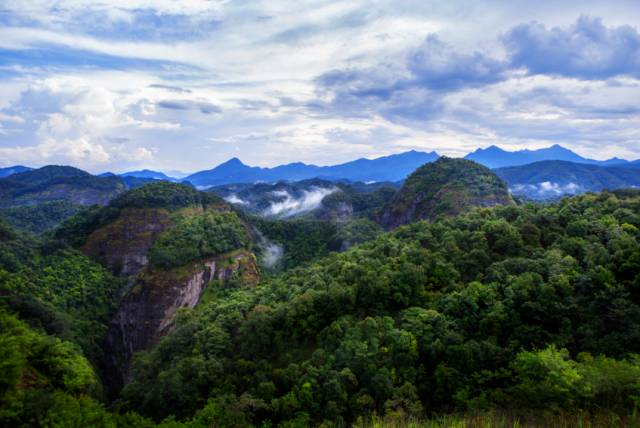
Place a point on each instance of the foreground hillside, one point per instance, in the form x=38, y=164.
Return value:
x=533, y=310
x=515, y=307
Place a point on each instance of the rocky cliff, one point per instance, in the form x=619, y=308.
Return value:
x=122, y=245
x=148, y=310
x=170, y=242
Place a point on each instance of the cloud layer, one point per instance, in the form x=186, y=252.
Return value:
x=187, y=84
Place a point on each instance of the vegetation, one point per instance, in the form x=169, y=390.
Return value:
x=445, y=187
x=505, y=316
x=166, y=195
x=197, y=236
x=303, y=239
x=160, y=194
x=58, y=183
x=533, y=307
x=62, y=292
x=39, y=218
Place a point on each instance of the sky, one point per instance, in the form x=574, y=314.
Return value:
x=183, y=85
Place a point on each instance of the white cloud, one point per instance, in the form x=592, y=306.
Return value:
x=257, y=62
x=234, y=199
x=290, y=206
x=547, y=189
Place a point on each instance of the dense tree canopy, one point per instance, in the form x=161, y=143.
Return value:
x=533, y=307
x=470, y=312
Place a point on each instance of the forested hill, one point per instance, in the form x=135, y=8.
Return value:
x=447, y=186
x=532, y=307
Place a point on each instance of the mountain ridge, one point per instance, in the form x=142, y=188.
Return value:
x=553, y=178
x=496, y=157
x=387, y=168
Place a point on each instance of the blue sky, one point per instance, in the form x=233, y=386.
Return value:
x=186, y=84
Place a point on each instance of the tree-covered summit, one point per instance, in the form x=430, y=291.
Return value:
x=163, y=194
x=448, y=186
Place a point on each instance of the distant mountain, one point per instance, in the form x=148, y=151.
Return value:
x=446, y=187
x=552, y=179
x=58, y=183
x=5, y=172
x=147, y=173
x=388, y=168
x=495, y=157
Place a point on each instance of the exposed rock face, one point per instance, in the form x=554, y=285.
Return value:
x=147, y=312
x=122, y=246
x=445, y=187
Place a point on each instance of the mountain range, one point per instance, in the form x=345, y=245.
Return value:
x=387, y=168
x=536, y=174
x=553, y=179
x=495, y=157
x=391, y=168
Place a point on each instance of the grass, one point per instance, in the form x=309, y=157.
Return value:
x=508, y=420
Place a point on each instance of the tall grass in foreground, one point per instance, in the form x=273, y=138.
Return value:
x=509, y=420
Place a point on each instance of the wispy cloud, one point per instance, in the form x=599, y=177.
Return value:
x=189, y=83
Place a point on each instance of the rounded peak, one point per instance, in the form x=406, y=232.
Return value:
x=448, y=186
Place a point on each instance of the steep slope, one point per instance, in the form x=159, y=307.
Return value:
x=495, y=157
x=388, y=168
x=170, y=241
x=445, y=187
x=552, y=179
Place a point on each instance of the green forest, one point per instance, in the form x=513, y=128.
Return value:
x=504, y=315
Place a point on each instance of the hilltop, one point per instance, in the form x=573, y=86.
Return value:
x=445, y=187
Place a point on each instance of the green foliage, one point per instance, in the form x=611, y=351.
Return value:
x=64, y=292
x=58, y=183
x=78, y=294
x=197, y=236
x=39, y=218
x=481, y=310
x=159, y=194
x=164, y=194
x=306, y=239
x=355, y=232
x=533, y=307
x=32, y=360
x=549, y=379
x=303, y=239
x=445, y=187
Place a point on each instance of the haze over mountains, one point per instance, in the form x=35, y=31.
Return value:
x=391, y=168
x=388, y=168
x=495, y=157
x=536, y=174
